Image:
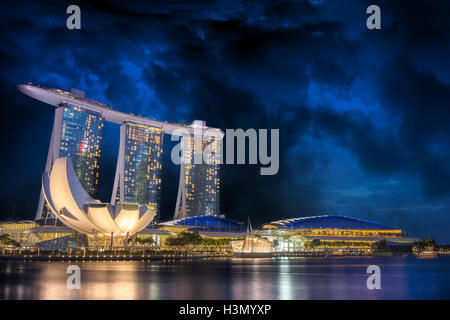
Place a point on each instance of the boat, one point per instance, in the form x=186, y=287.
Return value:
x=427, y=255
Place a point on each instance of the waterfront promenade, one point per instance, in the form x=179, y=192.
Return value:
x=112, y=257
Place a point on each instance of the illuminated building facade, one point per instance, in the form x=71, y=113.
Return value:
x=329, y=230
x=73, y=206
x=199, y=187
x=139, y=164
x=77, y=134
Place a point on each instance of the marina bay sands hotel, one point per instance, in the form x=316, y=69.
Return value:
x=77, y=134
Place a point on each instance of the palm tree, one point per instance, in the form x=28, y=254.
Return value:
x=6, y=240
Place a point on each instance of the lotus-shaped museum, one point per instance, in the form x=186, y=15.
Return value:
x=71, y=204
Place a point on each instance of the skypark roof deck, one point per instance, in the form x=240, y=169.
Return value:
x=57, y=98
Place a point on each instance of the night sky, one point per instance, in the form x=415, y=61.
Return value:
x=363, y=114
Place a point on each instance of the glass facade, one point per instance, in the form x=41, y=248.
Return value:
x=80, y=139
x=142, y=164
x=201, y=181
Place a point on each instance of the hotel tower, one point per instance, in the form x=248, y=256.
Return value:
x=139, y=164
x=199, y=187
x=77, y=134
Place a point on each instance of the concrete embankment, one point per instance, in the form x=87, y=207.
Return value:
x=119, y=257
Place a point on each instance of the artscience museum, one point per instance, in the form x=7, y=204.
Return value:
x=73, y=206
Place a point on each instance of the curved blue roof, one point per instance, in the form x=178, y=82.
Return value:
x=336, y=222
x=207, y=223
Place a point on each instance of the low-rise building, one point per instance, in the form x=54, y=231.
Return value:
x=330, y=232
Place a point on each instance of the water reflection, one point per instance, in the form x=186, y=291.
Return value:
x=293, y=278
x=285, y=284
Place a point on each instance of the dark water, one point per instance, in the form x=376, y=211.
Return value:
x=294, y=278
